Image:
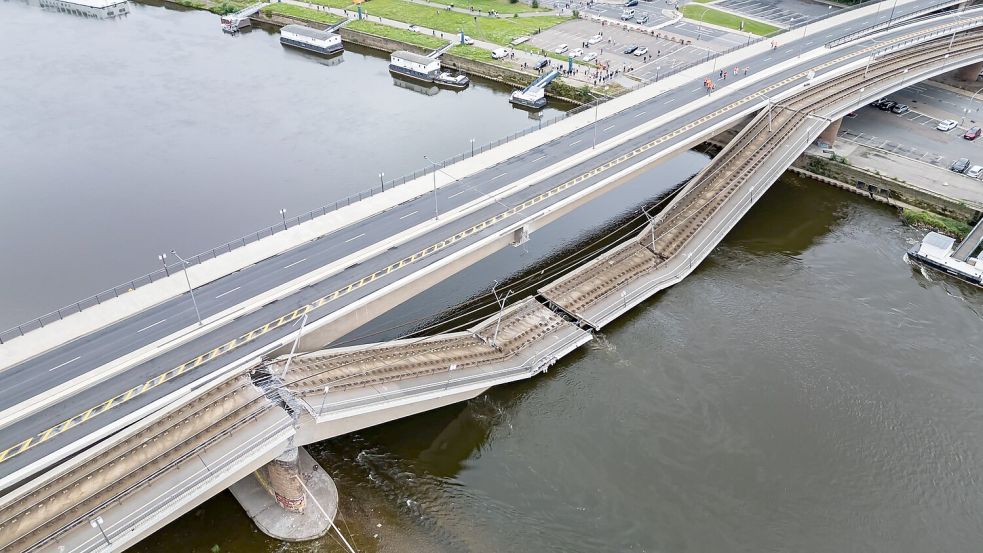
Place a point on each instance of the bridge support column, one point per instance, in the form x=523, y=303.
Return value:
x=828, y=136
x=970, y=73
x=290, y=498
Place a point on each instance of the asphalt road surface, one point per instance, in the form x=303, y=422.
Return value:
x=33, y=377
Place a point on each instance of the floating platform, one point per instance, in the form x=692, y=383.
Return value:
x=935, y=252
x=101, y=9
x=312, y=40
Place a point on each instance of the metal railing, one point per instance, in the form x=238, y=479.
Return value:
x=911, y=17
x=163, y=272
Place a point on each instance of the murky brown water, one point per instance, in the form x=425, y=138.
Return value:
x=804, y=390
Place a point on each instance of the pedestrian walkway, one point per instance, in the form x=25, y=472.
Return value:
x=451, y=7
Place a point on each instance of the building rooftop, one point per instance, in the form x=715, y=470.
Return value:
x=307, y=31
x=415, y=58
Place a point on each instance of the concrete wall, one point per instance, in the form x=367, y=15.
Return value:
x=885, y=185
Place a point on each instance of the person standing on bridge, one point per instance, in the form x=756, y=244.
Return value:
x=745, y=70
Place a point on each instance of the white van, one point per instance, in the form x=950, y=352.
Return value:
x=627, y=14
x=499, y=53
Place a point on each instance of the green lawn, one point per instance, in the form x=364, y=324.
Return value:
x=500, y=30
x=341, y=4
x=500, y=6
x=301, y=12
x=724, y=19
x=403, y=35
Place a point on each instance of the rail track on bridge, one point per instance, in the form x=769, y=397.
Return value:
x=33, y=520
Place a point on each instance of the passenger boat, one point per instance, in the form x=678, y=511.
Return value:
x=313, y=40
x=935, y=252
x=414, y=66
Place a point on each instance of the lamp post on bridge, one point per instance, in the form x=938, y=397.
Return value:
x=436, y=210
x=97, y=523
x=472, y=147
x=163, y=261
x=190, y=289
x=283, y=216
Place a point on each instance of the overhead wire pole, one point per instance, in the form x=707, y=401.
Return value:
x=501, y=309
x=436, y=210
x=290, y=356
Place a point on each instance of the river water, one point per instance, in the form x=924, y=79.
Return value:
x=803, y=390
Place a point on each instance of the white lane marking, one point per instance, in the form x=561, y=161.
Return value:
x=768, y=58
x=65, y=363
x=151, y=326
x=303, y=260
x=227, y=293
x=640, y=114
x=457, y=193
x=670, y=100
x=496, y=176
x=607, y=128
x=537, y=159
x=355, y=237
x=408, y=214
x=575, y=143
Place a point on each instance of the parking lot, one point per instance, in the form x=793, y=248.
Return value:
x=913, y=135
x=663, y=55
x=654, y=11
x=783, y=13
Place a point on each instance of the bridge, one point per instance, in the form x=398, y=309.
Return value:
x=165, y=411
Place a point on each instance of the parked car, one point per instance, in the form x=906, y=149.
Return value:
x=628, y=14
x=595, y=39
x=899, y=109
x=631, y=49
x=877, y=103
x=591, y=56
x=886, y=105
x=542, y=63
x=975, y=172
x=960, y=165
x=642, y=19
x=561, y=48
x=577, y=52
x=630, y=3
x=467, y=40
x=413, y=28
x=500, y=53
x=972, y=134
x=641, y=51
x=946, y=125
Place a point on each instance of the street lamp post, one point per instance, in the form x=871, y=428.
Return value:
x=597, y=101
x=163, y=261
x=283, y=216
x=699, y=28
x=436, y=210
x=97, y=523
x=472, y=147
x=190, y=289
x=382, y=183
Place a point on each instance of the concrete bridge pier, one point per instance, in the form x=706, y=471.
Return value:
x=970, y=73
x=290, y=498
x=827, y=138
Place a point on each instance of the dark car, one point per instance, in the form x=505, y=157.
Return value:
x=899, y=109
x=631, y=49
x=972, y=134
x=541, y=63
x=630, y=3
x=886, y=105
x=960, y=165
x=876, y=103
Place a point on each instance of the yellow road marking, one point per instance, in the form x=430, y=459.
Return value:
x=33, y=441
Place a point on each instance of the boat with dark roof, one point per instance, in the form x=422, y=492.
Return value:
x=424, y=69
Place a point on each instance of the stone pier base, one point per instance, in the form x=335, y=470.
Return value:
x=291, y=498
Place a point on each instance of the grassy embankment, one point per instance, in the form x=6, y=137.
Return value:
x=402, y=35
x=499, y=30
x=951, y=227
x=301, y=12
x=724, y=19
x=500, y=6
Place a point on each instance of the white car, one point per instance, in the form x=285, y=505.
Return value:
x=467, y=40
x=975, y=172
x=946, y=125
x=641, y=51
x=499, y=53
x=577, y=52
x=413, y=28
x=561, y=48
x=595, y=39
x=591, y=56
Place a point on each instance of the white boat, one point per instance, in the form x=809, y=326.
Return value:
x=305, y=38
x=451, y=80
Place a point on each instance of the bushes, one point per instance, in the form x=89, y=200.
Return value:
x=945, y=225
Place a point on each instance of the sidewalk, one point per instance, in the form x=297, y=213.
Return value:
x=448, y=7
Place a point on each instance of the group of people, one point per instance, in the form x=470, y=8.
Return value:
x=710, y=86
